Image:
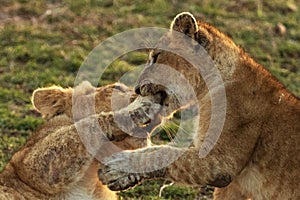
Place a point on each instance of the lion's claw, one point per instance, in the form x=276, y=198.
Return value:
x=126, y=169
x=116, y=180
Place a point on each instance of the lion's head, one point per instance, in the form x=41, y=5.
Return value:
x=88, y=100
x=190, y=53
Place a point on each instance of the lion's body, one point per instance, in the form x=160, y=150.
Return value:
x=45, y=169
x=257, y=155
x=54, y=162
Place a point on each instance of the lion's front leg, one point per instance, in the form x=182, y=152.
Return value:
x=131, y=119
x=127, y=168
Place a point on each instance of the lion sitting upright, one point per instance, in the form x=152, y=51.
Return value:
x=54, y=163
x=257, y=155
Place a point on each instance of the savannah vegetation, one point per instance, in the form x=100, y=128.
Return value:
x=45, y=42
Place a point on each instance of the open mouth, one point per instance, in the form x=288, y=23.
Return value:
x=149, y=89
x=160, y=97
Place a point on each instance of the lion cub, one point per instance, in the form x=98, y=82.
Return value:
x=54, y=163
x=257, y=154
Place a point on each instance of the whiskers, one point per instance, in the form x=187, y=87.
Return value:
x=170, y=128
x=167, y=132
x=179, y=127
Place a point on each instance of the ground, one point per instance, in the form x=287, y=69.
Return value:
x=44, y=43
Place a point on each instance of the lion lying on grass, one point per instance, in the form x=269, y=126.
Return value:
x=54, y=163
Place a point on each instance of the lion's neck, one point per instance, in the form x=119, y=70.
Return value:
x=253, y=95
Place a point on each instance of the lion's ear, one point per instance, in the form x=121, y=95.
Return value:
x=185, y=23
x=50, y=101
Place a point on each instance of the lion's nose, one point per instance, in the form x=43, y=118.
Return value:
x=137, y=89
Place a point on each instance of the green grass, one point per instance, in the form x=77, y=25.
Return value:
x=44, y=43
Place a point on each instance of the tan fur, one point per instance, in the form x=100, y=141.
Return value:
x=257, y=155
x=54, y=163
